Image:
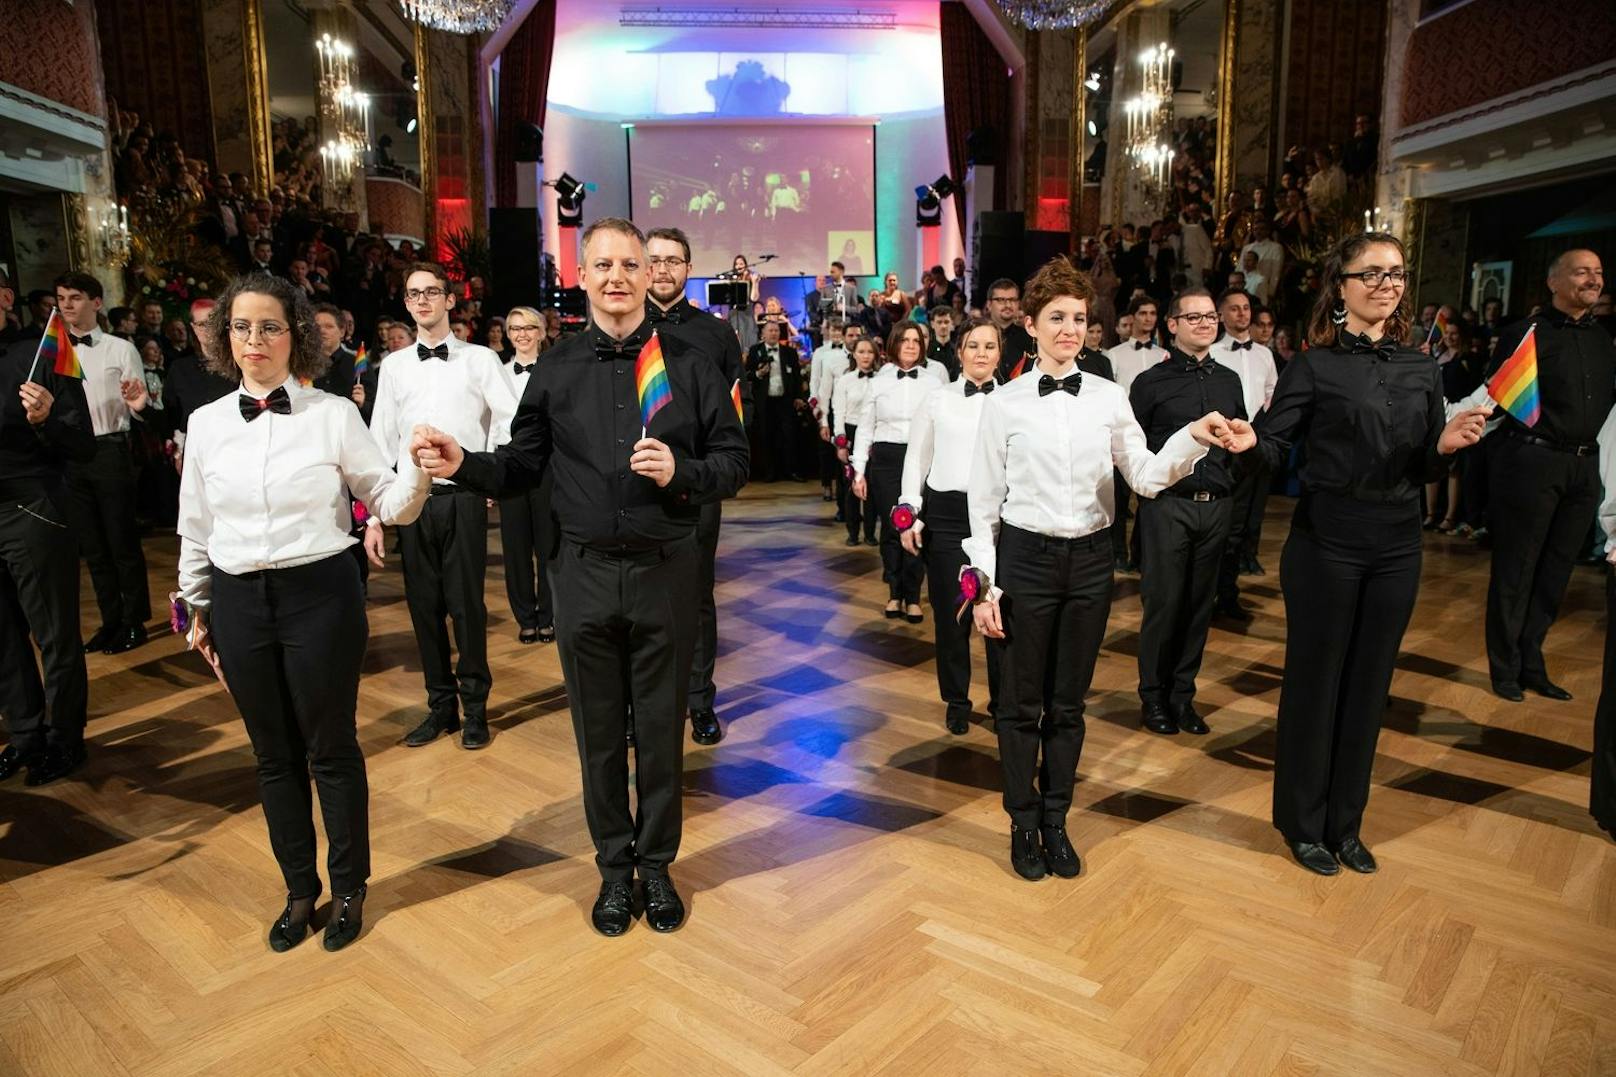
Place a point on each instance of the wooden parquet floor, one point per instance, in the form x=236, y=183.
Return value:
x=852, y=907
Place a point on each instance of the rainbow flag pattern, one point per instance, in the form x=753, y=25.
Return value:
x=361, y=362
x=56, y=349
x=1020, y=368
x=735, y=398
x=1439, y=328
x=1513, y=386
x=651, y=380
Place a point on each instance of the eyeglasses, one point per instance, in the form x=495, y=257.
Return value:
x=666, y=263
x=514, y=329
x=270, y=331
x=424, y=293
x=1200, y=318
x=1374, y=278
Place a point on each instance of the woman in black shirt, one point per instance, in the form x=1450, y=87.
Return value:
x=1369, y=414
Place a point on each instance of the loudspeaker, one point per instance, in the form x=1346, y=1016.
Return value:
x=515, y=275
x=996, y=251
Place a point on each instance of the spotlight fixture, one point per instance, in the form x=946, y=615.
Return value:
x=928, y=208
x=1093, y=81
x=570, y=194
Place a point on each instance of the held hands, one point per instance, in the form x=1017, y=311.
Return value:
x=652, y=459
x=1463, y=430
x=36, y=402
x=861, y=489
x=988, y=622
x=1240, y=436
x=435, y=452
x=135, y=394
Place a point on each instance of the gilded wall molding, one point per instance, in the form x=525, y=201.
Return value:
x=1223, y=167
x=1075, y=141
x=257, y=74
x=428, y=130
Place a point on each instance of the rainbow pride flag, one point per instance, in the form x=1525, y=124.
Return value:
x=361, y=362
x=56, y=349
x=735, y=398
x=1513, y=386
x=1020, y=368
x=651, y=381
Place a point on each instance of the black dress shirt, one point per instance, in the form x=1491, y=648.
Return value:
x=580, y=414
x=1016, y=345
x=188, y=385
x=1576, y=375
x=338, y=379
x=943, y=355
x=1368, y=420
x=33, y=459
x=1172, y=394
x=1098, y=363
x=707, y=333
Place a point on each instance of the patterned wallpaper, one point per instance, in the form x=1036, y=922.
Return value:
x=1493, y=48
x=156, y=65
x=1336, y=50
x=50, y=49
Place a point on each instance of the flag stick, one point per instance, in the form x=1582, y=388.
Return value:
x=40, y=348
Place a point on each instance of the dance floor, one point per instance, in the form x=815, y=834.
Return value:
x=852, y=908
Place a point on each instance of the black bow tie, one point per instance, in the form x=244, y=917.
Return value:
x=1240, y=345
x=672, y=316
x=252, y=407
x=1383, y=348
x=910, y=373
x=521, y=368
x=1070, y=383
x=971, y=388
x=1140, y=345
x=440, y=352
x=627, y=348
x=82, y=342
x=866, y=373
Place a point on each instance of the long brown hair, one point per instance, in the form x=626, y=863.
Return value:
x=1322, y=331
x=895, y=338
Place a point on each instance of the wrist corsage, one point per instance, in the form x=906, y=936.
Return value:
x=903, y=517
x=974, y=588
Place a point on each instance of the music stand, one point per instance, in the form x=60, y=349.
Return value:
x=728, y=294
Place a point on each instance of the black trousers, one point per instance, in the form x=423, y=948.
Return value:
x=781, y=431
x=39, y=597
x=1350, y=573
x=1184, y=544
x=290, y=643
x=625, y=626
x=528, y=538
x=1250, y=501
x=1119, y=525
x=1602, y=789
x=101, y=498
x=883, y=474
x=855, y=513
x=704, y=660
x=947, y=526
x=1542, y=504
x=1057, y=599
x=445, y=553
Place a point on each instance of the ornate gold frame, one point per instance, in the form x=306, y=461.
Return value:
x=427, y=126
x=257, y=74
x=1074, y=142
x=1223, y=168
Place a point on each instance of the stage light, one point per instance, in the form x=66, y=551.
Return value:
x=567, y=188
x=943, y=187
x=1093, y=81
x=928, y=208
x=570, y=194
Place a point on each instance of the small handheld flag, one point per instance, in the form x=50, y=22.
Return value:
x=1020, y=368
x=361, y=362
x=735, y=398
x=56, y=349
x=1439, y=327
x=651, y=381
x=1513, y=386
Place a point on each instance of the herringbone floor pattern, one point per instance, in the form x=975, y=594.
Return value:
x=852, y=909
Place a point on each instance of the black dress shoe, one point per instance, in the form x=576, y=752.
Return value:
x=704, y=727
x=1157, y=719
x=1546, y=688
x=11, y=761
x=958, y=720
x=54, y=762
x=839, y=518
x=1186, y=719
x=474, y=734
x=914, y=618
x=852, y=540
x=293, y=925
x=664, y=910
x=1025, y=855
x=547, y=634
x=1352, y=854
x=125, y=639
x=894, y=610
x=614, y=909
x=1233, y=611
x=1058, y=852
x=99, y=639
x=430, y=729
x=1314, y=857
x=1508, y=690
x=872, y=542
x=528, y=635
x=347, y=920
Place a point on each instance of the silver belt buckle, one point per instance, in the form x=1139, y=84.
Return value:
x=1202, y=495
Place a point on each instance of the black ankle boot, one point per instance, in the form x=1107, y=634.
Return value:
x=347, y=919
x=293, y=925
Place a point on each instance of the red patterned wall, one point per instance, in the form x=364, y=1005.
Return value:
x=395, y=207
x=1491, y=48
x=1335, y=69
x=48, y=47
x=156, y=65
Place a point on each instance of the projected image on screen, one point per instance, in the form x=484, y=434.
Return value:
x=802, y=193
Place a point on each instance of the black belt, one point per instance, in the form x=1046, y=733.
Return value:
x=1584, y=448
x=1192, y=495
x=1090, y=541
x=640, y=555
x=120, y=435
x=440, y=488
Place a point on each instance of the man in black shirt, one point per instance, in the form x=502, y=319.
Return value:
x=627, y=576
x=338, y=379
x=941, y=349
x=1545, y=478
x=1004, y=307
x=668, y=254
x=44, y=423
x=188, y=383
x=780, y=399
x=1182, y=530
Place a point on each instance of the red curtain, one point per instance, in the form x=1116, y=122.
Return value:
x=524, y=79
x=976, y=94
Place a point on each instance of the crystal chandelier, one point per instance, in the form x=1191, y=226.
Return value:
x=1150, y=122
x=458, y=16
x=345, y=113
x=1053, y=14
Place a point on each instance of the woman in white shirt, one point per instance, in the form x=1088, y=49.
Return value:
x=896, y=394
x=1041, y=499
x=526, y=533
x=1602, y=784
x=846, y=401
x=268, y=592
x=936, y=470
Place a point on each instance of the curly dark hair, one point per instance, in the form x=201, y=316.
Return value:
x=1321, y=330
x=307, y=362
x=1056, y=278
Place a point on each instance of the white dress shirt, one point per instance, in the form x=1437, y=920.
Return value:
x=467, y=396
x=108, y=361
x=273, y=492
x=824, y=366
x=777, y=376
x=891, y=403
x=942, y=442
x=1128, y=361
x=518, y=381
x=1607, y=473
x=938, y=371
x=1044, y=463
x=1256, y=367
x=848, y=398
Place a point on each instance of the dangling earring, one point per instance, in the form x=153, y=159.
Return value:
x=1338, y=313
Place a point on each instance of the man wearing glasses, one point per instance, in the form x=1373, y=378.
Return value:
x=1004, y=307
x=458, y=388
x=1182, y=530
x=668, y=252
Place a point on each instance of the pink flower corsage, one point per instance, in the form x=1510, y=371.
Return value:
x=360, y=513
x=973, y=584
x=903, y=517
x=841, y=441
